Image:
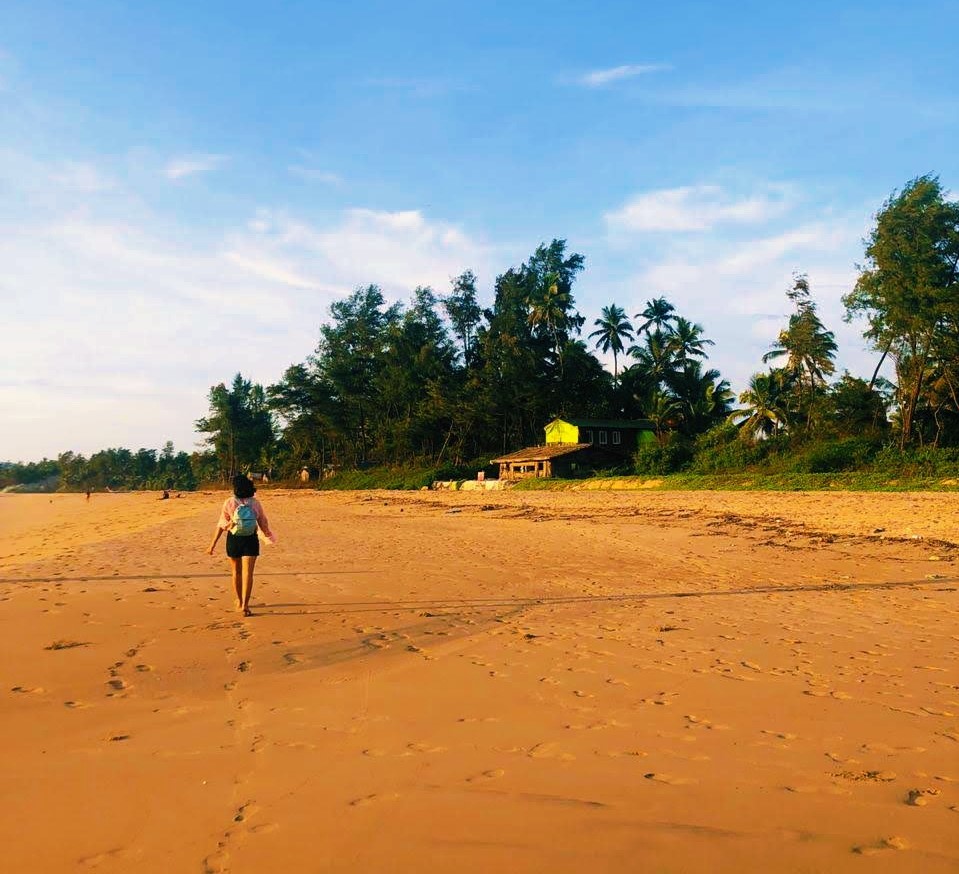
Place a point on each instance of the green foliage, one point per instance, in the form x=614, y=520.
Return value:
x=723, y=450
x=907, y=292
x=808, y=350
x=400, y=478
x=920, y=461
x=16, y=473
x=832, y=456
x=240, y=427
x=121, y=469
x=612, y=328
x=663, y=458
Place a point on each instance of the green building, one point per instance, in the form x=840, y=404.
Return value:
x=577, y=445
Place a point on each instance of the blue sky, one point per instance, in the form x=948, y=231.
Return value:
x=185, y=187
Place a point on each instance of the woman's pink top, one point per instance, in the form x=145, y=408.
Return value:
x=229, y=507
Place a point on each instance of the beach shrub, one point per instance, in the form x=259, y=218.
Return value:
x=399, y=478
x=919, y=461
x=659, y=459
x=724, y=449
x=833, y=456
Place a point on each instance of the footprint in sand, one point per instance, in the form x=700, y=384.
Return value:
x=292, y=658
x=424, y=748
x=245, y=810
x=99, y=858
x=893, y=843
x=118, y=687
x=867, y=776
x=920, y=797
x=265, y=828
x=670, y=779
x=372, y=799
x=782, y=735
x=549, y=750
x=486, y=776
x=243, y=667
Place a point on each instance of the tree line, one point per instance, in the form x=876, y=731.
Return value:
x=442, y=380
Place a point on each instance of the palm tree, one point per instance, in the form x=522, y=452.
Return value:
x=612, y=328
x=549, y=308
x=662, y=410
x=686, y=341
x=809, y=349
x=655, y=359
x=764, y=411
x=658, y=314
x=703, y=397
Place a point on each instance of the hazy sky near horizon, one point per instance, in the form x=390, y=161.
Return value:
x=185, y=188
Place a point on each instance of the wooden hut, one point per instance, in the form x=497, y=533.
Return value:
x=558, y=459
x=575, y=445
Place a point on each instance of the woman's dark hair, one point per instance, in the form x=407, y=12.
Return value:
x=243, y=487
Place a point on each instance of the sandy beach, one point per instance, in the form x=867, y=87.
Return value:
x=521, y=682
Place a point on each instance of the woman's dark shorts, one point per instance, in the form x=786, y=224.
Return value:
x=237, y=547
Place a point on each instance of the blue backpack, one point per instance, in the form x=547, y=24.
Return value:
x=244, y=520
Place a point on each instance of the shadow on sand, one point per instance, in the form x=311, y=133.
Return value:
x=342, y=607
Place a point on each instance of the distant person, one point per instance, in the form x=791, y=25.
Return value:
x=165, y=496
x=240, y=517
x=88, y=494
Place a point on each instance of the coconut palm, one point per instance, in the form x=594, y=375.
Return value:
x=703, y=397
x=658, y=315
x=551, y=310
x=655, y=358
x=686, y=341
x=663, y=411
x=612, y=328
x=809, y=349
x=764, y=411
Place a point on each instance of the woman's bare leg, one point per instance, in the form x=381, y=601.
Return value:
x=237, y=569
x=249, y=562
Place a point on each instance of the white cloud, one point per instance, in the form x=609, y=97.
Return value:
x=696, y=208
x=736, y=290
x=82, y=177
x=271, y=270
x=119, y=328
x=598, y=78
x=191, y=165
x=314, y=174
x=398, y=250
x=753, y=254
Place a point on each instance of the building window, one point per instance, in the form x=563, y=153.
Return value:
x=602, y=438
x=616, y=438
x=589, y=436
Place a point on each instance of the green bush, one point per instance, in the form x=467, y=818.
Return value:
x=660, y=459
x=833, y=456
x=920, y=461
x=399, y=478
x=723, y=450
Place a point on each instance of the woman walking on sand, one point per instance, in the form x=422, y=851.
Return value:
x=240, y=517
